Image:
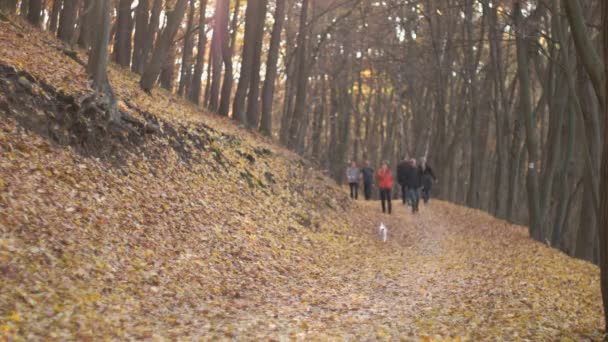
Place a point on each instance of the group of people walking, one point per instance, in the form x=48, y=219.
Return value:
x=415, y=180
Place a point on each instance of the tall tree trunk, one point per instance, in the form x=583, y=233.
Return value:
x=122, y=41
x=253, y=98
x=603, y=212
x=186, y=67
x=218, y=41
x=67, y=20
x=227, y=52
x=162, y=46
x=151, y=33
x=271, y=70
x=23, y=8
x=54, y=17
x=530, y=124
x=167, y=72
x=302, y=79
x=33, y=14
x=86, y=17
x=142, y=17
x=195, y=87
x=254, y=15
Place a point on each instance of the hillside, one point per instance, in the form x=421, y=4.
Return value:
x=186, y=226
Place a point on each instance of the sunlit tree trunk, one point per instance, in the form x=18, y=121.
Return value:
x=195, y=87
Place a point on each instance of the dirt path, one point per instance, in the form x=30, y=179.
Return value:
x=446, y=272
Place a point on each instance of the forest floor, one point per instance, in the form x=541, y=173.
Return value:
x=199, y=229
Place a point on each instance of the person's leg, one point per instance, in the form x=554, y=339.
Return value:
x=356, y=190
x=404, y=193
x=388, y=198
x=351, y=190
x=383, y=199
x=367, y=189
x=416, y=198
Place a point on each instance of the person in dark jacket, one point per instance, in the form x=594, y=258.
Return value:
x=368, y=178
x=413, y=181
x=428, y=178
x=402, y=170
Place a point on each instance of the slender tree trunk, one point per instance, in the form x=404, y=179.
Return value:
x=23, y=8
x=220, y=37
x=162, y=46
x=253, y=98
x=531, y=134
x=603, y=212
x=186, y=67
x=271, y=70
x=195, y=87
x=33, y=14
x=86, y=17
x=54, y=17
x=167, y=72
x=302, y=79
x=122, y=41
x=227, y=52
x=142, y=17
x=67, y=20
x=151, y=33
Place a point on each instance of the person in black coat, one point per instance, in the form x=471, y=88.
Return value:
x=402, y=171
x=428, y=178
x=368, y=179
x=413, y=182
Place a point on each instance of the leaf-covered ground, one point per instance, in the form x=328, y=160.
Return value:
x=220, y=235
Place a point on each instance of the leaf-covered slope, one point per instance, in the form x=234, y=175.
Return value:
x=202, y=229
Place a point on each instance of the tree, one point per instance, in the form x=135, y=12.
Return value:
x=219, y=42
x=142, y=17
x=271, y=68
x=124, y=27
x=67, y=20
x=195, y=88
x=186, y=67
x=86, y=17
x=54, y=16
x=162, y=46
x=227, y=52
x=603, y=212
x=33, y=14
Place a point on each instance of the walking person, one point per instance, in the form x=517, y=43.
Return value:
x=413, y=182
x=353, y=175
x=402, y=171
x=368, y=178
x=428, y=178
x=385, y=184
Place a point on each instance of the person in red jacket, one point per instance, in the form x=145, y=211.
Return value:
x=385, y=184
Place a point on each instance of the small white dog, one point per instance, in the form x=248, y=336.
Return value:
x=383, y=232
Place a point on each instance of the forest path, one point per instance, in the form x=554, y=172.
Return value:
x=446, y=272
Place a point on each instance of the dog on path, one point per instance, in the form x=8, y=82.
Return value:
x=383, y=232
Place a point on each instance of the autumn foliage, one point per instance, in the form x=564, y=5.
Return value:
x=191, y=227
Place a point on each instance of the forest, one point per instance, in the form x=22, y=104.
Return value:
x=506, y=99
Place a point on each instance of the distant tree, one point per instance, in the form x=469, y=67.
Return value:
x=162, y=46
x=227, y=52
x=271, y=68
x=186, y=66
x=122, y=40
x=195, y=88
x=219, y=41
x=54, y=16
x=67, y=20
x=142, y=17
x=34, y=12
x=248, y=87
x=86, y=18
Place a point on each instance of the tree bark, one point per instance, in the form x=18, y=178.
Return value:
x=33, y=14
x=195, y=87
x=162, y=46
x=67, y=20
x=186, y=67
x=167, y=73
x=218, y=41
x=142, y=17
x=603, y=212
x=227, y=52
x=122, y=41
x=54, y=16
x=86, y=18
x=531, y=134
x=271, y=70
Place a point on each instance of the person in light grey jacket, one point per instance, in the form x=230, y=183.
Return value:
x=353, y=175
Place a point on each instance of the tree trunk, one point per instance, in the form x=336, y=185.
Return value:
x=195, y=87
x=302, y=79
x=142, y=17
x=151, y=33
x=33, y=14
x=8, y=6
x=186, y=67
x=271, y=70
x=54, y=17
x=122, y=41
x=162, y=46
x=218, y=41
x=167, y=73
x=603, y=212
x=23, y=8
x=227, y=52
x=530, y=125
x=67, y=20
x=86, y=18
x=253, y=98
x=246, y=90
